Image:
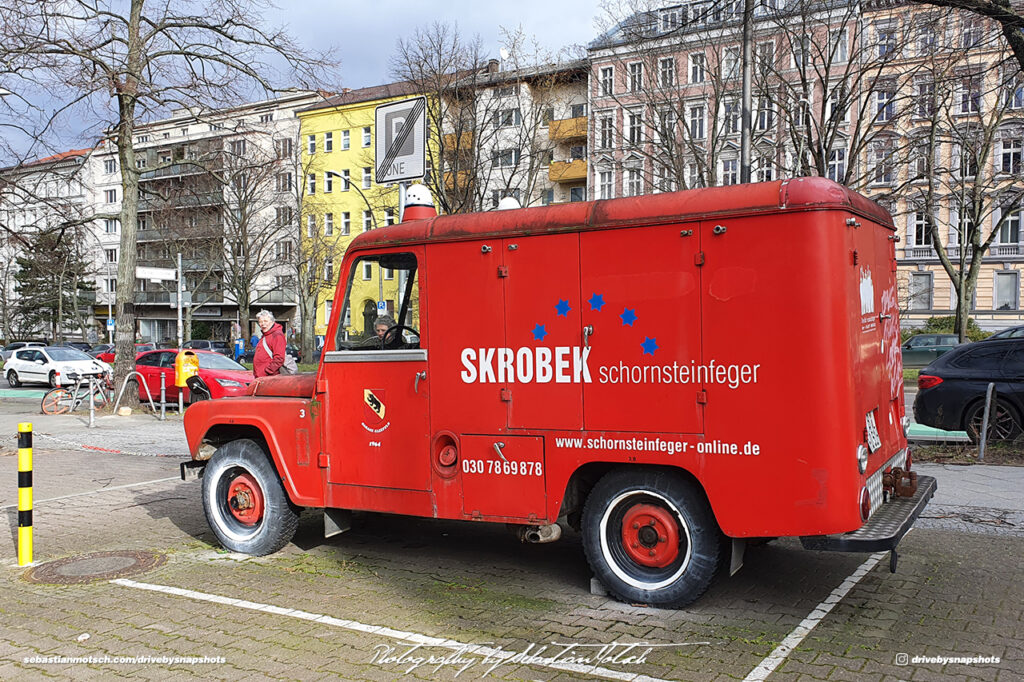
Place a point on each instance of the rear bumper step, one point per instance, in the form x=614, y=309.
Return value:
x=884, y=529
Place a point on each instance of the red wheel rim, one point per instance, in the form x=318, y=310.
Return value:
x=245, y=500
x=650, y=535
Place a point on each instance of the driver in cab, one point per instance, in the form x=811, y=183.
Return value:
x=382, y=324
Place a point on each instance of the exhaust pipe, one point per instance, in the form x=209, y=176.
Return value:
x=539, y=534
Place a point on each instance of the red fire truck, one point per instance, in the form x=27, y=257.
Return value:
x=670, y=375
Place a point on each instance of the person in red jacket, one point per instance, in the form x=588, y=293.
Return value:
x=266, y=364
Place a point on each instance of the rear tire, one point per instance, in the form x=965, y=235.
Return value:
x=651, y=537
x=12, y=379
x=1003, y=425
x=57, y=401
x=245, y=503
x=53, y=380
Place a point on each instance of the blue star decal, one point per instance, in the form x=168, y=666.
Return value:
x=563, y=308
x=539, y=332
x=628, y=316
x=596, y=302
x=649, y=345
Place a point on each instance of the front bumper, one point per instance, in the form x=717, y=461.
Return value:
x=884, y=530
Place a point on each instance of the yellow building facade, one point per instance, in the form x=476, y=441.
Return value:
x=341, y=200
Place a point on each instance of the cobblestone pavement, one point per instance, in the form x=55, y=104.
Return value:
x=316, y=608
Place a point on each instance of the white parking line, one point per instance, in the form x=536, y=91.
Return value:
x=792, y=641
x=96, y=492
x=494, y=655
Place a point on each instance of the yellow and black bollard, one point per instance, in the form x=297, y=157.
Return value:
x=24, y=493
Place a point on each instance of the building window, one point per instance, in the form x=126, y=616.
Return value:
x=141, y=162
x=310, y=225
x=578, y=110
x=667, y=127
x=111, y=285
x=346, y=223
x=664, y=181
x=284, y=216
x=389, y=216
x=367, y=271
x=1010, y=156
x=505, y=158
x=328, y=224
x=311, y=144
x=284, y=148
x=111, y=225
x=345, y=140
x=670, y=19
x=730, y=171
x=694, y=178
x=1009, y=231
x=765, y=57
x=367, y=221
x=366, y=136
x=607, y=80
x=1007, y=289
x=731, y=116
x=698, y=67
x=885, y=103
x=837, y=107
x=764, y=170
x=920, y=291
x=881, y=159
x=607, y=129
x=577, y=194
x=925, y=96
x=918, y=230
x=837, y=165
x=801, y=52
x=731, y=62
x=971, y=31
x=329, y=270
x=837, y=45
x=110, y=166
x=1013, y=91
x=636, y=77
x=283, y=182
x=634, y=182
x=266, y=118
x=507, y=118
x=969, y=99
x=765, y=114
x=345, y=180
x=667, y=72
x=604, y=185
x=237, y=148
x=885, y=39
x=111, y=255
x=328, y=142
x=927, y=38
x=111, y=196
x=328, y=307
x=387, y=274
x=143, y=223
x=367, y=177
x=283, y=250
x=311, y=183
x=696, y=116
x=636, y=128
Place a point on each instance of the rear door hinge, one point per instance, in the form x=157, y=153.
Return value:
x=502, y=271
x=702, y=397
x=321, y=460
x=698, y=258
x=506, y=395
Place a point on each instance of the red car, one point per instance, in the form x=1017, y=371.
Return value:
x=108, y=356
x=219, y=376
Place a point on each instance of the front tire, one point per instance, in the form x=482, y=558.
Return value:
x=12, y=379
x=53, y=380
x=651, y=537
x=245, y=502
x=1004, y=424
x=57, y=401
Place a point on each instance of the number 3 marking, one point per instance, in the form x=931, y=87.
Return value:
x=302, y=414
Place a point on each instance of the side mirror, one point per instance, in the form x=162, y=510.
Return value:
x=40, y=362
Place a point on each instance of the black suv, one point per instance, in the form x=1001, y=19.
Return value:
x=951, y=390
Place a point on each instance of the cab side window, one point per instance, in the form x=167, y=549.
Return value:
x=381, y=310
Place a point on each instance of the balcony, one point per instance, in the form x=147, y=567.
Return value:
x=164, y=297
x=568, y=129
x=1004, y=250
x=284, y=295
x=567, y=171
x=173, y=171
x=465, y=141
x=149, y=204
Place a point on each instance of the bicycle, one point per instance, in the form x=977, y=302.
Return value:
x=62, y=400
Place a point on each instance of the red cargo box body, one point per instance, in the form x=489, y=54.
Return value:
x=747, y=335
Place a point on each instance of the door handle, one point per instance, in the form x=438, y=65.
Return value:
x=588, y=331
x=420, y=376
x=497, y=448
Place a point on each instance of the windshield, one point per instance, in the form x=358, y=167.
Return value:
x=218, y=361
x=66, y=354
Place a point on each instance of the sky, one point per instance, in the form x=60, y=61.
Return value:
x=365, y=32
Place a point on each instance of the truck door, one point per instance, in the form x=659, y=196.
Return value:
x=375, y=379
x=641, y=309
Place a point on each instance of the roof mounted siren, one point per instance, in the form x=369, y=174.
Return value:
x=507, y=203
x=419, y=205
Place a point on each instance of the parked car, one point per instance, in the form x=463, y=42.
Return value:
x=289, y=349
x=11, y=347
x=50, y=365
x=100, y=348
x=951, y=390
x=78, y=345
x=219, y=377
x=1009, y=333
x=920, y=350
x=108, y=355
x=222, y=347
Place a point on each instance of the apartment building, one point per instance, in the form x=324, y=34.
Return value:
x=219, y=187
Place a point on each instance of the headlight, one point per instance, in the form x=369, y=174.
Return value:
x=862, y=458
x=906, y=426
x=229, y=383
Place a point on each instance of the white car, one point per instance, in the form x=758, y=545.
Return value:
x=9, y=349
x=51, y=365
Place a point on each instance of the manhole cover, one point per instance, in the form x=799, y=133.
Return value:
x=89, y=568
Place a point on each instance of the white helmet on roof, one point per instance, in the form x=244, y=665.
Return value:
x=418, y=195
x=507, y=203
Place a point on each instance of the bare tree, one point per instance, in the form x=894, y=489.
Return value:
x=122, y=64
x=1009, y=18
